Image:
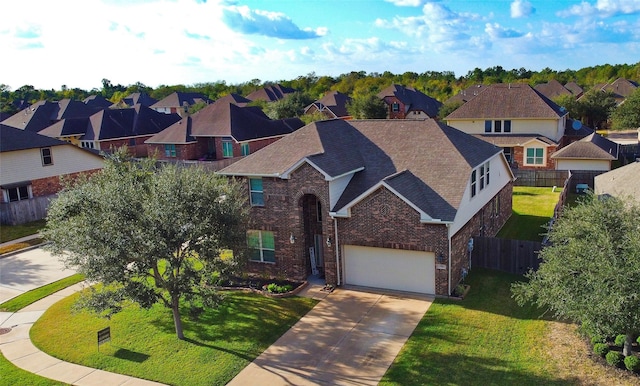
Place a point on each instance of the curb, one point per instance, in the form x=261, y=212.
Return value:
x=9, y=254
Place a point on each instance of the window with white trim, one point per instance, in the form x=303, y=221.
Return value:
x=87, y=144
x=47, y=156
x=473, y=183
x=227, y=148
x=534, y=156
x=497, y=126
x=256, y=193
x=17, y=193
x=244, y=148
x=395, y=107
x=262, y=246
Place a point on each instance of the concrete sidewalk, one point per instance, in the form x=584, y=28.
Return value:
x=16, y=346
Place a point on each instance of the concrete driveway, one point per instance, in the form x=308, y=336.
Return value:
x=349, y=338
x=25, y=271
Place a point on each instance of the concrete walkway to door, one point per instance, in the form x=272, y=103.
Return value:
x=350, y=338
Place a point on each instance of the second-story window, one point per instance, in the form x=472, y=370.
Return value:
x=47, y=157
x=256, y=194
x=244, y=148
x=395, y=107
x=170, y=150
x=227, y=148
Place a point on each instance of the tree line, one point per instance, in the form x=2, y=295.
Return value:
x=360, y=85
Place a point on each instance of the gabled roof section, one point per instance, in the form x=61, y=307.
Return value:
x=594, y=146
x=335, y=102
x=179, y=133
x=180, y=99
x=574, y=88
x=508, y=101
x=44, y=113
x=67, y=128
x=235, y=99
x=465, y=95
x=416, y=100
x=271, y=93
x=15, y=139
x=552, y=89
x=621, y=88
x=124, y=123
x=138, y=98
x=97, y=101
x=426, y=162
x=225, y=119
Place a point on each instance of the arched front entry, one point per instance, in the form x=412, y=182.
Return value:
x=312, y=218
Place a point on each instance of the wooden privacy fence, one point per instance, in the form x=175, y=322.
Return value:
x=20, y=212
x=513, y=256
x=541, y=178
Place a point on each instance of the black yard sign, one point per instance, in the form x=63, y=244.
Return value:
x=104, y=336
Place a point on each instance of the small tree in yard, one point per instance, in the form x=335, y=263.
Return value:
x=591, y=270
x=149, y=234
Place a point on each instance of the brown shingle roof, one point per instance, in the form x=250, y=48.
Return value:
x=594, y=147
x=271, y=93
x=621, y=182
x=508, y=101
x=513, y=139
x=574, y=88
x=179, y=99
x=334, y=101
x=414, y=99
x=552, y=89
x=425, y=161
x=465, y=95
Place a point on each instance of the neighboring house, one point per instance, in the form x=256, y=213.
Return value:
x=377, y=203
x=525, y=123
x=222, y=130
x=179, y=102
x=574, y=88
x=593, y=152
x=465, y=95
x=271, y=93
x=113, y=128
x=621, y=88
x=32, y=165
x=333, y=105
x=408, y=103
x=623, y=182
x=135, y=99
x=552, y=89
x=43, y=114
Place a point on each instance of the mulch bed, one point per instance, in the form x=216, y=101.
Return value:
x=256, y=284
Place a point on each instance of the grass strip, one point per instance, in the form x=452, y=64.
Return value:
x=532, y=209
x=29, y=297
x=18, y=246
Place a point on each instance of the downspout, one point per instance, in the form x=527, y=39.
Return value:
x=449, y=239
x=335, y=227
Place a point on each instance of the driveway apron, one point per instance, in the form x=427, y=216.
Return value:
x=349, y=338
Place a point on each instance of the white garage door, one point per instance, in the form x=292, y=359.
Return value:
x=395, y=269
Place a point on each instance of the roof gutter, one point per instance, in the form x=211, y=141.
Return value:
x=248, y=174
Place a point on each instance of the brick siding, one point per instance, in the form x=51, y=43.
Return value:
x=51, y=185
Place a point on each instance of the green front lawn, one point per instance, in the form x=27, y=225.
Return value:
x=532, y=209
x=487, y=339
x=143, y=343
x=12, y=232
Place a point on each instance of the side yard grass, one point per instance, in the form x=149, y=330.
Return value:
x=532, y=209
x=12, y=232
x=219, y=343
x=487, y=339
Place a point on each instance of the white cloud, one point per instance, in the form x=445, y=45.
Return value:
x=406, y=3
x=521, y=8
x=602, y=8
x=437, y=23
x=272, y=24
x=496, y=31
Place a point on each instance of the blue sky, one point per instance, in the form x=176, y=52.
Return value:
x=77, y=43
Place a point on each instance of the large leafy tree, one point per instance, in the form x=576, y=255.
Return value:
x=595, y=108
x=591, y=270
x=367, y=106
x=149, y=234
x=627, y=115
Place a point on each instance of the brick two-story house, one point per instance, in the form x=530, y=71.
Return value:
x=376, y=203
x=408, y=103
